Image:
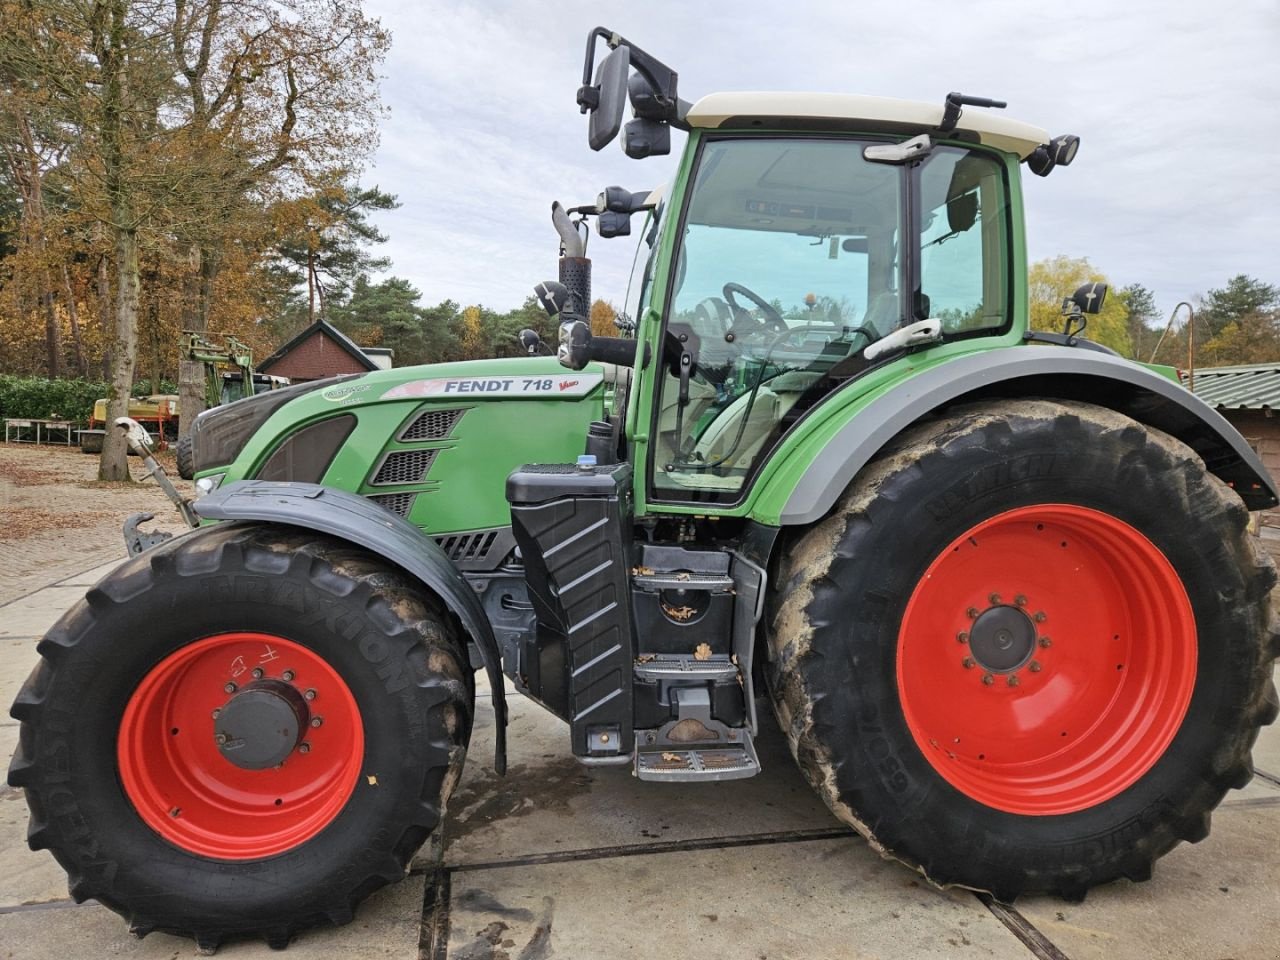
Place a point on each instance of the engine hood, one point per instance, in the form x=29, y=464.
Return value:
x=433, y=443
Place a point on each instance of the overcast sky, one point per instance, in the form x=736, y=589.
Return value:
x=1177, y=103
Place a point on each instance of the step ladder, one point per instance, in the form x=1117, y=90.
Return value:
x=694, y=746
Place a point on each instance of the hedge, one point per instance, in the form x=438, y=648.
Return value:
x=37, y=398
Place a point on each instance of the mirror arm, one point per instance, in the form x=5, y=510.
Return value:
x=588, y=95
x=661, y=78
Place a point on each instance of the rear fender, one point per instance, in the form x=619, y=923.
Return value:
x=351, y=517
x=1062, y=373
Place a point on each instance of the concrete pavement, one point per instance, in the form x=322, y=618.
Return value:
x=560, y=860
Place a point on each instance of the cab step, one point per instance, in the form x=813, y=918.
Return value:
x=670, y=764
x=654, y=582
x=674, y=666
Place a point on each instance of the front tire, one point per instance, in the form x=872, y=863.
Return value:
x=243, y=732
x=1030, y=650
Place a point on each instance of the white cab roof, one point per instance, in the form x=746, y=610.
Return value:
x=992, y=128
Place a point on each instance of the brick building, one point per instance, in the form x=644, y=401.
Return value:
x=1249, y=397
x=322, y=350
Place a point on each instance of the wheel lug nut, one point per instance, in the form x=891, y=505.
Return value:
x=967, y=663
x=304, y=748
x=972, y=613
x=988, y=679
x=995, y=599
x=287, y=676
x=257, y=673
x=229, y=688
x=1012, y=680
x=310, y=694
x=1020, y=600
x=215, y=713
x=962, y=637
x=1039, y=616
x=220, y=739
x=1046, y=642
x=317, y=721
x=1034, y=666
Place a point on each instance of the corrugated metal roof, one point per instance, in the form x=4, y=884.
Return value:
x=1254, y=386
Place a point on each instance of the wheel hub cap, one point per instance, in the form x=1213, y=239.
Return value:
x=240, y=746
x=1046, y=659
x=261, y=725
x=1002, y=639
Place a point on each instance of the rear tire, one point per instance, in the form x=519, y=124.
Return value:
x=182, y=453
x=981, y=536
x=131, y=789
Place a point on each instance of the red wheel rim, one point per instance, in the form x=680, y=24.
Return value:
x=179, y=778
x=1104, y=688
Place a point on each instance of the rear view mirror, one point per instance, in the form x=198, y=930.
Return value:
x=962, y=212
x=610, y=89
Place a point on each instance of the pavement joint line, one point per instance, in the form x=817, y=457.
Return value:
x=59, y=583
x=1027, y=932
x=437, y=899
x=1271, y=778
x=45, y=905
x=648, y=849
x=1251, y=802
x=433, y=932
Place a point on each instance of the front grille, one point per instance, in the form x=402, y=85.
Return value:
x=404, y=466
x=305, y=455
x=398, y=503
x=431, y=424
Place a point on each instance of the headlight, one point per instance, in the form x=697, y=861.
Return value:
x=220, y=434
x=210, y=483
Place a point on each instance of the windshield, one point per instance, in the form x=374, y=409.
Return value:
x=791, y=262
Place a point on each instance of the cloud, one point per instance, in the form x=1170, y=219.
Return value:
x=1174, y=101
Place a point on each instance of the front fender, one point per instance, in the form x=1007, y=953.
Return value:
x=351, y=517
x=1037, y=371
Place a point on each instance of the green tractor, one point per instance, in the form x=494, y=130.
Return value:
x=996, y=584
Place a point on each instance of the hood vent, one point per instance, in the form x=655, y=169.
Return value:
x=398, y=503
x=403, y=466
x=431, y=424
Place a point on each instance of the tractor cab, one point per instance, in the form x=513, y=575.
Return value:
x=808, y=242
x=810, y=239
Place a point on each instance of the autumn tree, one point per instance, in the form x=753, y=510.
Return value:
x=1050, y=281
x=325, y=241
x=1241, y=322
x=277, y=96
x=1242, y=297
x=472, y=335
x=1143, y=318
x=385, y=314
x=602, y=316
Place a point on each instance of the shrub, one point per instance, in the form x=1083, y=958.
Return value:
x=40, y=399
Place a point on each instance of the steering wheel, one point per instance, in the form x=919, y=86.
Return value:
x=772, y=318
